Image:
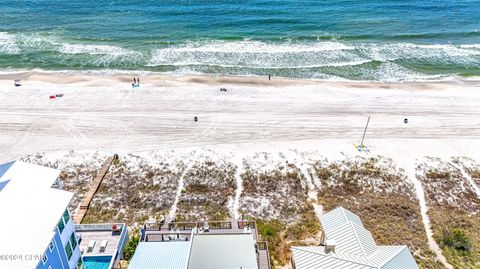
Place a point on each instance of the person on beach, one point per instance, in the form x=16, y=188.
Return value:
x=138, y=81
x=269, y=76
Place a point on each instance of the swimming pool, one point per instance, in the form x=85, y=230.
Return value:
x=97, y=262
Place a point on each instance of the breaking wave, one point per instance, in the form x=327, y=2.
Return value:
x=322, y=59
x=256, y=54
x=8, y=44
x=94, y=49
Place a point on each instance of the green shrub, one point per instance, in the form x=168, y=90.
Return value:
x=130, y=247
x=457, y=239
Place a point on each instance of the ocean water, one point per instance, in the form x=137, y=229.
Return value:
x=389, y=40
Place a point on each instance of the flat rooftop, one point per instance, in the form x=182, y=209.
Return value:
x=212, y=245
x=222, y=251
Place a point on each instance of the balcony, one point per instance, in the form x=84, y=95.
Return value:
x=115, y=238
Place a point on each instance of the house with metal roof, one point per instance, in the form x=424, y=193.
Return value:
x=346, y=244
x=200, y=245
x=36, y=230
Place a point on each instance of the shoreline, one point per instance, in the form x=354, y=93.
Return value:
x=124, y=76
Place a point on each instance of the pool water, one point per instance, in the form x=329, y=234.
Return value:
x=97, y=262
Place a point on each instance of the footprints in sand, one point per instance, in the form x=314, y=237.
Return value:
x=412, y=176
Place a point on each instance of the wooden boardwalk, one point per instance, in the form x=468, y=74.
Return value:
x=80, y=214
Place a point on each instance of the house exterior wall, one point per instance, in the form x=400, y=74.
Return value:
x=57, y=257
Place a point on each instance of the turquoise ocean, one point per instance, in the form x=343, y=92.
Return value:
x=390, y=40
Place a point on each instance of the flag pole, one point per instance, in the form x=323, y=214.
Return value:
x=364, y=132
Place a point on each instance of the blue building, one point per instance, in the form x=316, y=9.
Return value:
x=36, y=230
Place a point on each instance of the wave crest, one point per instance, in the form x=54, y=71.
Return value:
x=319, y=55
x=8, y=44
x=94, y=49
x=256, y=54
x=322, y=59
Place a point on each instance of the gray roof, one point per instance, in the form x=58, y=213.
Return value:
x=204, y=251
x=225, y=251
x=348, y=231
x=355, y=247
x=160, y=255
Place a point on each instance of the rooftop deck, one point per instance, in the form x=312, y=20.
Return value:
x=159, y=231
x=99, y=232
x=183, y=231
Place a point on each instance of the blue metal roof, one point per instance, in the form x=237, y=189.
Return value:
x=160, y=255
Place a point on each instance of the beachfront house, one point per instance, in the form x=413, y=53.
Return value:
x=102, y=245
x=36, y=231
x=347, y=244
x=199, y=245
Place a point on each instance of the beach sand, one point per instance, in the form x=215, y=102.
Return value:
x=104, y=113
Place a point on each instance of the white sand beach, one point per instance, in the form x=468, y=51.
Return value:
x=325, y=118
x=104, y=113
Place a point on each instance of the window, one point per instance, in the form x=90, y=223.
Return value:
x=61, y=225
x=52, y=245
x=44, y=259
x=68, y=251
x=66, y=216
x=73, y=240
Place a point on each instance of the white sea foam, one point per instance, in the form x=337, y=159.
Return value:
x=434, y=54
x=290, y=55
x=94, y=49
x=317, y=59
x=470, y=46
x=256, y=54
x=8, y=44
x=262, y=47
x=390, y=72
x=102, y=55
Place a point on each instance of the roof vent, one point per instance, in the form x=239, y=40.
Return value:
x=330, y=245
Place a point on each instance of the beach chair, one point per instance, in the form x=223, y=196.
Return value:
x=103, y=245
x=91, y=245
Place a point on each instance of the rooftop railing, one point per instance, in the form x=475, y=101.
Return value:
x=182, y=225
x=220, y=225
x=98, y=227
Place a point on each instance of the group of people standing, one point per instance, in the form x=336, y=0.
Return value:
x=136, y=82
